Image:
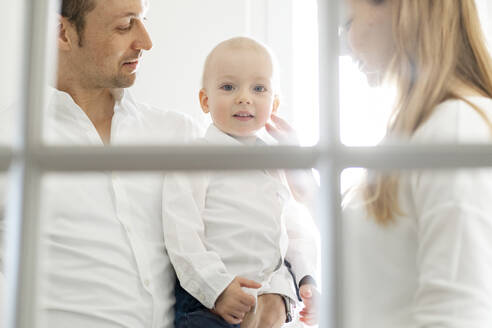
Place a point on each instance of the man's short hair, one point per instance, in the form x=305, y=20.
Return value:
x=75, y=11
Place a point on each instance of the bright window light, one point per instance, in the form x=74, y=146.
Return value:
x=305, y=71
x=485, y=12
x=364, y=111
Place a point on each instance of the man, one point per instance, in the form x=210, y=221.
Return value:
x=106, y=263
x=105, y=256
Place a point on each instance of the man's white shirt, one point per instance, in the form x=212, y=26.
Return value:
x=223, y=224
x=105, y=260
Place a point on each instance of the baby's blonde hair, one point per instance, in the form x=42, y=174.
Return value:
x=241, y=43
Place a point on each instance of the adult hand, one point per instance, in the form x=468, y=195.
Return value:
x=310, y=297
x=270, y=313
x=302, y=183
x=282, y=131
x=233, y=304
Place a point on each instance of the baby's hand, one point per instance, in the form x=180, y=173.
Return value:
x=233, y=304
x=310, y=297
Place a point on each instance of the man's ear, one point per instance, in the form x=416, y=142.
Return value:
x=276, y=103
x=65, y=34
x=204, y=100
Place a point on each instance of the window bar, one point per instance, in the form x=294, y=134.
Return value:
x=170, y=158
x=329, y=204
x=23, y=219
x=5, y=158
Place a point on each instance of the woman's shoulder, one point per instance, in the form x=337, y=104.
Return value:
x=458, y=121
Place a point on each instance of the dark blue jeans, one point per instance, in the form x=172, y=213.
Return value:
x=190, y=313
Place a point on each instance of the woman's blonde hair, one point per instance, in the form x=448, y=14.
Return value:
x=437, y=43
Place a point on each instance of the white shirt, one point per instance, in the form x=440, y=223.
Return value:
x=106, y=264
x=223, y=224
x=433, y=266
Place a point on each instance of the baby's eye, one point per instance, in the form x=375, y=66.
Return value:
x=259, y=88
x=227, y=87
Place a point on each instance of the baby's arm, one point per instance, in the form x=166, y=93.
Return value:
x=201, y=272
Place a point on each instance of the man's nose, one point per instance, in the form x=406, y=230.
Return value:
x=143, y=40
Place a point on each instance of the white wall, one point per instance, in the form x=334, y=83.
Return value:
x=183, y=32
x=10, y=54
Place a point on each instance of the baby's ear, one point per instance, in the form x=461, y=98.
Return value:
x=276, y=103
x=204, y=100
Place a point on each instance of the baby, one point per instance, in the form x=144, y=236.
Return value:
x=234, y=238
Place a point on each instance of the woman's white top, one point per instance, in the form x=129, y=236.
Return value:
x=432, y=267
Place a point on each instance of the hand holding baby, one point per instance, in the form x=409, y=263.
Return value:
x=310, y=297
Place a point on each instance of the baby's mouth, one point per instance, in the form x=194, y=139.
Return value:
x=243, y=116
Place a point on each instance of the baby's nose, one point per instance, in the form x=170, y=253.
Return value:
x=243, y=101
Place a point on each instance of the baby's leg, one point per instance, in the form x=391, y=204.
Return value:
x=270, y=312
x=190, y=313
x=201, y=319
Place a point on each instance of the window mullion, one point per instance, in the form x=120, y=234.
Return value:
x=23, y=214
x=329, y=205
x=5, y=158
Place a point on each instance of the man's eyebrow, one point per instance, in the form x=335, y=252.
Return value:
x=128, y=14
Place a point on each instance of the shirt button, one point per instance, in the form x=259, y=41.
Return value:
x=146, y=283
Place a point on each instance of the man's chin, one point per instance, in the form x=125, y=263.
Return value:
x=124, y=81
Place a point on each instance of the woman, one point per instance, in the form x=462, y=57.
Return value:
x=418, y=245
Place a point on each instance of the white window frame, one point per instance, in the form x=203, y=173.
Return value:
x=28, y=160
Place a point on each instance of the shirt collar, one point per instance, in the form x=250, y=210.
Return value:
x=216, y=136
x=61, y=103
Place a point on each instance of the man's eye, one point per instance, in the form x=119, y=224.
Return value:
x=259, y=88
x=227, y=87
x=126, y=27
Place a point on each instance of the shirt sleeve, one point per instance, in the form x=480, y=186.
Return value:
x=302, y=252
x=454, y=256
x=200, y=271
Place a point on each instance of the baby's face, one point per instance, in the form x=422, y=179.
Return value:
x=239, y=91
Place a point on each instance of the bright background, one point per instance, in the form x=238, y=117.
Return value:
x=185, y=31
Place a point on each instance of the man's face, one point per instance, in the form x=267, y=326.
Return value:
x=239, y=91
x=114, y=38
